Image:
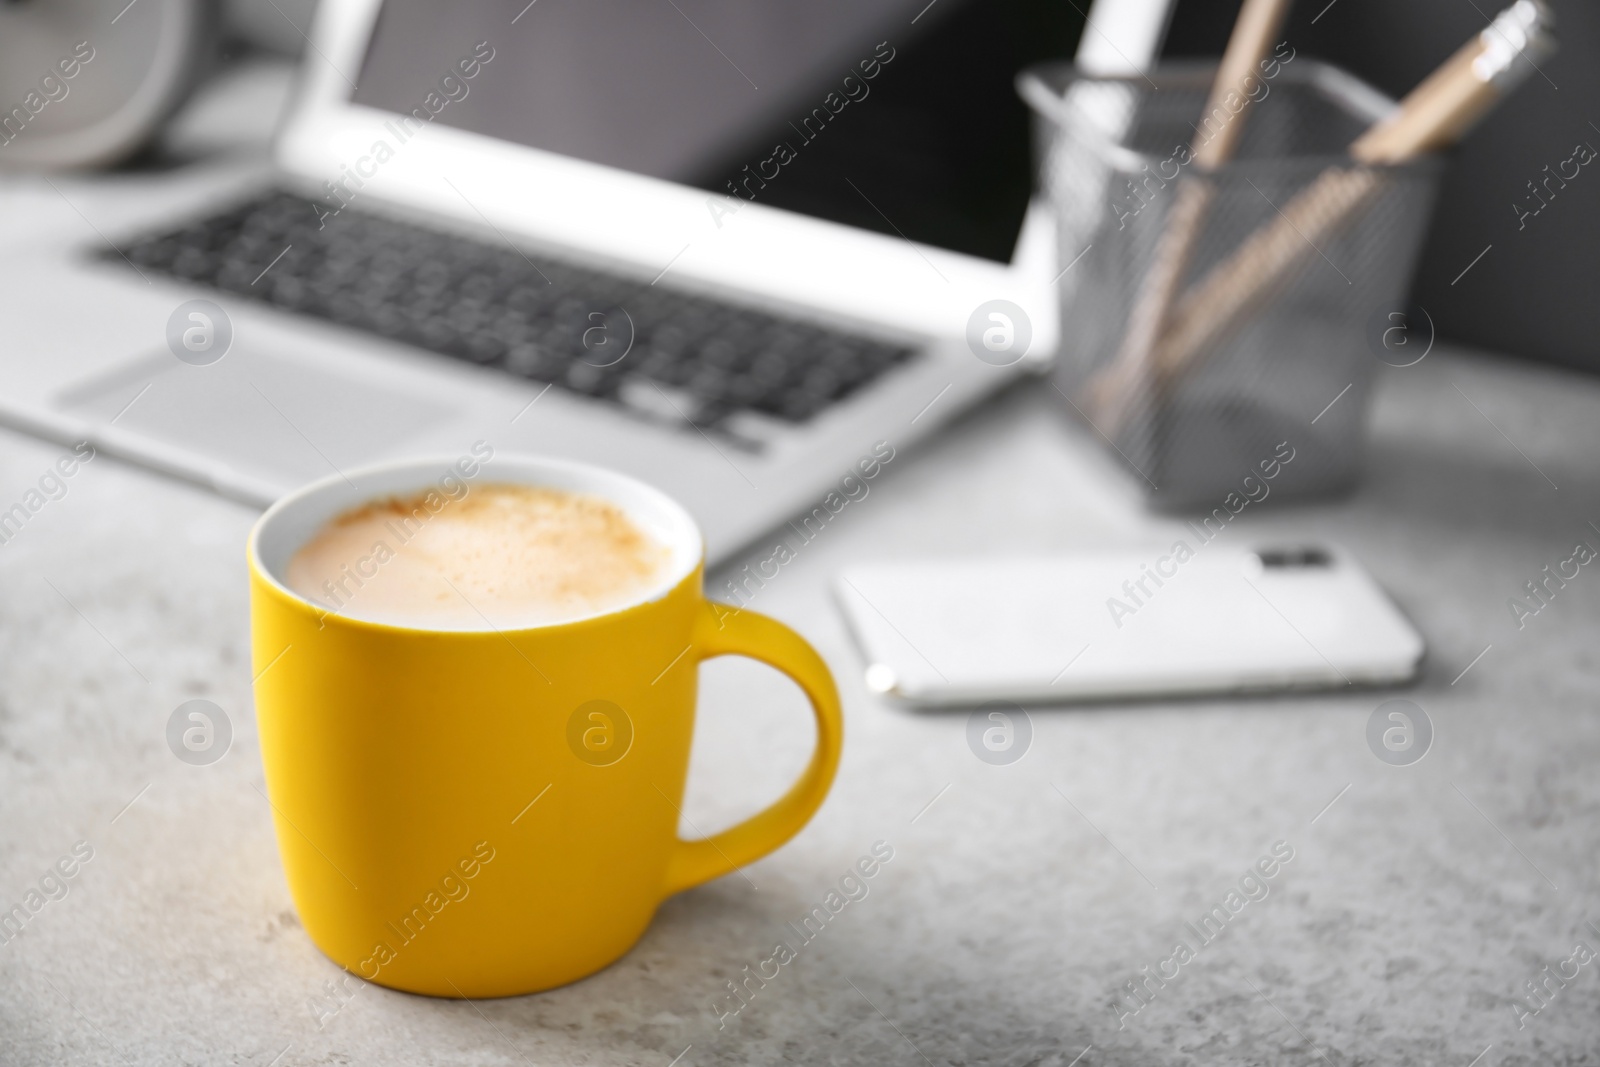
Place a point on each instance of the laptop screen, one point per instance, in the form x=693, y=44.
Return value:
x=892, y=116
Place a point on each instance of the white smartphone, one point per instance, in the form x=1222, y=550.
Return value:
x=1159, y=622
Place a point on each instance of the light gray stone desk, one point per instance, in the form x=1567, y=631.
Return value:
x=1020, y=899
x=1418, y=902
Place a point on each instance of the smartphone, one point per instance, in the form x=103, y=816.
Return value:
x=1125, y=624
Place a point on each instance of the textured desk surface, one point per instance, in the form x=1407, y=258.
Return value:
x=1419, y=901
x=1403, y=930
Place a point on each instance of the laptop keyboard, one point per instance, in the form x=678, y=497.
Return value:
x=538, y=318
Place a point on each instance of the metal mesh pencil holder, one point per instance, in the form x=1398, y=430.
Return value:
x=1211, y=319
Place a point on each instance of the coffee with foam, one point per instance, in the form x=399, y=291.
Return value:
x=501, y=556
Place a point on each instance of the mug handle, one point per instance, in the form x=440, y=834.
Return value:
x=746, y=633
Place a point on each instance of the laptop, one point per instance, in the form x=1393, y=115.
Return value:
x=731, y=249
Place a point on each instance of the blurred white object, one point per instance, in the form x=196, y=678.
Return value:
x=1166, y=621
x=81, y=89
x=1123, y=36
x=1120, y=37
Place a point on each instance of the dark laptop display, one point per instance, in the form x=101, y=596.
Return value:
x=895, y=117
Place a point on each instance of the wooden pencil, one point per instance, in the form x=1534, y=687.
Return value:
x=1433, y=115
x=1117, y=390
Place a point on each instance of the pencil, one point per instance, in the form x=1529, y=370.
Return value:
x=1432, y=116
x=1120, y=386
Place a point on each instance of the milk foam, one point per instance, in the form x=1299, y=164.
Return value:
x=501, y=556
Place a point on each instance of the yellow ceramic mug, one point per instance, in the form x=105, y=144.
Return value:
x=480, y=812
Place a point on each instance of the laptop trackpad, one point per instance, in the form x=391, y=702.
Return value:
x=257, y=413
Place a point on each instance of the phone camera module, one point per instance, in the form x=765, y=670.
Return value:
x=1293, y=558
